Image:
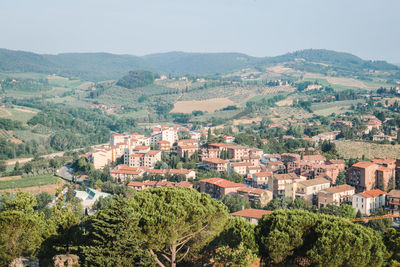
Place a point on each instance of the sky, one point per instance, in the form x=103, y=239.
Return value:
x=367, y=28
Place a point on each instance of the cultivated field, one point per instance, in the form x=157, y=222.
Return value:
x=354, y=149
x=33, y=184
x=346, y=82
x=209, y=105
x=337, y=107
x=17, y=113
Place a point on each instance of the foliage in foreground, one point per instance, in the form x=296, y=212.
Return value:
x=291, y=237
x=164, y=225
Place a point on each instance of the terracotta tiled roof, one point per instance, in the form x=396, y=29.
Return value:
x=286, y=176
x=394, y=193
x=372, y=193
x=251, y=213
x=339, y=188
x=215, y=160
x=124, y=171
x=221, y=182
x=241, y=164
x=384, y=161
x=219, y=145
x=187, y=146
x=251, y=190
x=363, y=164
x=314, y=158
x=383, y=169
x=315, y=181
x=164, y=142
x=153, y=152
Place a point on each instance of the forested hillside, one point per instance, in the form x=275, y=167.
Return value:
x=105, y=66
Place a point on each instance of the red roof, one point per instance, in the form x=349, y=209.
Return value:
x=251, y=213
x=219, y=144
x=222, y=182
x=363, y=164
x=216, y=161
x=372, y=193
x=164, y=142
x=153, y=152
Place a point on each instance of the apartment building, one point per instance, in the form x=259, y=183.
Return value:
x=338, y=195
x=260, y=179
x=147, y=159
x=393, y=202
x=369, y=201
x=255, y=195
x=307, y=189
x=122, y=173
x=364, y=175
x=218, y=187
x=252, y=215
x=278, y=182
x=164, y=146
x=216, y=164
x=239, y=167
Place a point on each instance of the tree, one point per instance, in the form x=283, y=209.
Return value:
x=341, y=179
x=235, y=246
x=391, y=238
x=3, y=166
x=102, y=202
x=345, y=211
x=19, y=235
x=235, y=177
x=235, y=203
x=113, y=239
x=288, y=237
x=279, y=203
x=43, y=199
x=185, y=224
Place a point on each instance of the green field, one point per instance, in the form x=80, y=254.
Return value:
x=28, y=182
x=337, y=107
x=22, y=114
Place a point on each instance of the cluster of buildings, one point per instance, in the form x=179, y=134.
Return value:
x=266, y=176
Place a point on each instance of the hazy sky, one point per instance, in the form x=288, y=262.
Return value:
x=367, y=28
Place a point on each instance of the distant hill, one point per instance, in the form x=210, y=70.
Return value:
x=106, y=66
x=137, y=78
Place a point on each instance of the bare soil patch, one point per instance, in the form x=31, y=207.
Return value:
x=209, y=105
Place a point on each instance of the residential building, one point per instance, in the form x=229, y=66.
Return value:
x=260, y=179
x=307, y=189
x=369, y=201
x=362, y=176
x=216, y=164
x=255, y=195
x=252, y=215
x=157, y=184
x=164, y=146
x=278, y=183
x=337, y=195
x=122, y=173
x=218, y=187
x=239, y=167
x=189, y=149
x=393, y=202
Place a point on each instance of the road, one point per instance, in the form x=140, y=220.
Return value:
x=48, y=156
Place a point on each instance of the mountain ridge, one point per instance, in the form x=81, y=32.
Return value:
x=98, y=66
